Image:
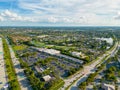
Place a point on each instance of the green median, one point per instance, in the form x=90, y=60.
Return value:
x=11, y=74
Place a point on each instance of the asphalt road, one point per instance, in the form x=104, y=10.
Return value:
x=91, y=68
x=86, y=71
x=3, y=79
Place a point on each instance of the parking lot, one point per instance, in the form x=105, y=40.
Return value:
x=61, y=65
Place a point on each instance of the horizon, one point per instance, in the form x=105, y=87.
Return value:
x=59, y=26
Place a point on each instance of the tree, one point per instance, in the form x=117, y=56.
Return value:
x=95, y=88
x=82, y=86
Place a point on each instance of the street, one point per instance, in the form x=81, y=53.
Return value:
x=86, y=71
x=3, y=78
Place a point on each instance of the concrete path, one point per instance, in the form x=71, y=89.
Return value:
x=22, y=79
x=3, y=79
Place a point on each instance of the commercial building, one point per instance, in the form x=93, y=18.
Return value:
x=108, y=87
x=49, y=51
x=47, y=78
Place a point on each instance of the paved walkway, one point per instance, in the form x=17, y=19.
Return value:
x=3, y=79
x=22, y=79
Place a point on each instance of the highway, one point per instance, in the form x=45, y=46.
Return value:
x=87, y=70
x=3, y=78
x=118, y=78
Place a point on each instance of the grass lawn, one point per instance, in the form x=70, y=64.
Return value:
x=65, y=47
x=57, y=85
x=19, y=47
x=39, y=44
x=10, y=70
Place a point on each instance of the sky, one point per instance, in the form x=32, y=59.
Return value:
x=59, y=12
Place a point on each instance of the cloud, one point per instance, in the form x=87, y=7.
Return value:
x=65, y=7
x=71, y=11
x=1, y=18
x=117, y=17
x=8, y=15
x=66, y=19
x=80, y=12
x=53, y=19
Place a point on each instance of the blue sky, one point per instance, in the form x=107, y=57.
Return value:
x=59, y=12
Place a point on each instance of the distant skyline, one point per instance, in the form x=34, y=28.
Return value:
x=59, y=12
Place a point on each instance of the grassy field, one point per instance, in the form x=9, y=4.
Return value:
x=57, y=85
x=39, y=44
x=19, y=47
